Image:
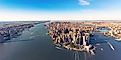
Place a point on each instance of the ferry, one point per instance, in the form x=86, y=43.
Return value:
x=111, y=46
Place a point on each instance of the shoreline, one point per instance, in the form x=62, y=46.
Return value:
x=11, y=30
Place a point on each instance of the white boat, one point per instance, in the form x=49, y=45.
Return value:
x=111, y=46
x=101, y=49
x=97, y=44
x=58, y=47
x=92, y=52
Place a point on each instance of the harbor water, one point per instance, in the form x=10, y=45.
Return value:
x=35, y=44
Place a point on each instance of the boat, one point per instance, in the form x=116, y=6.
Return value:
x=101, y=49
x=58, y=48
x=92, y=52
x=97, y=44
x=111, y=46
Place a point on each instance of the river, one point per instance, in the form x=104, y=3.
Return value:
x=35, y=44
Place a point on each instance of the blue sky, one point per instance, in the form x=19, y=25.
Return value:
x=51, y=7
x=57, y=5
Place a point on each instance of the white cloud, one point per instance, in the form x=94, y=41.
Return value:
x=84, y=2
x=83, y=15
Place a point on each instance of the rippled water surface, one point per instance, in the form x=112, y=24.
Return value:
x=35, y=44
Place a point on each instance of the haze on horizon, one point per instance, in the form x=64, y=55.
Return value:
x=60, y=10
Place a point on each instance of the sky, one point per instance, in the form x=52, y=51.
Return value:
x=60, y=10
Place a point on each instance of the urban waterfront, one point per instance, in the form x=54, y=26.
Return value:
x=60, y=30
x=35, y=44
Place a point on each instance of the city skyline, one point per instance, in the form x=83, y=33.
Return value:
x=60, y=10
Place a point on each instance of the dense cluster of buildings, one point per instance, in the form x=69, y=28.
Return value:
x=73, y=36
x=13, y=29
x=113, y=27
x=115, y=31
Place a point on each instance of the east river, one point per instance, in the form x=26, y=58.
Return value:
x=35, y=44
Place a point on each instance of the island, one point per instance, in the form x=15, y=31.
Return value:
x=73, y=36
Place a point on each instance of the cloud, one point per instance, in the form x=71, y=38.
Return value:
x=13, y=15
x=84, y=2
